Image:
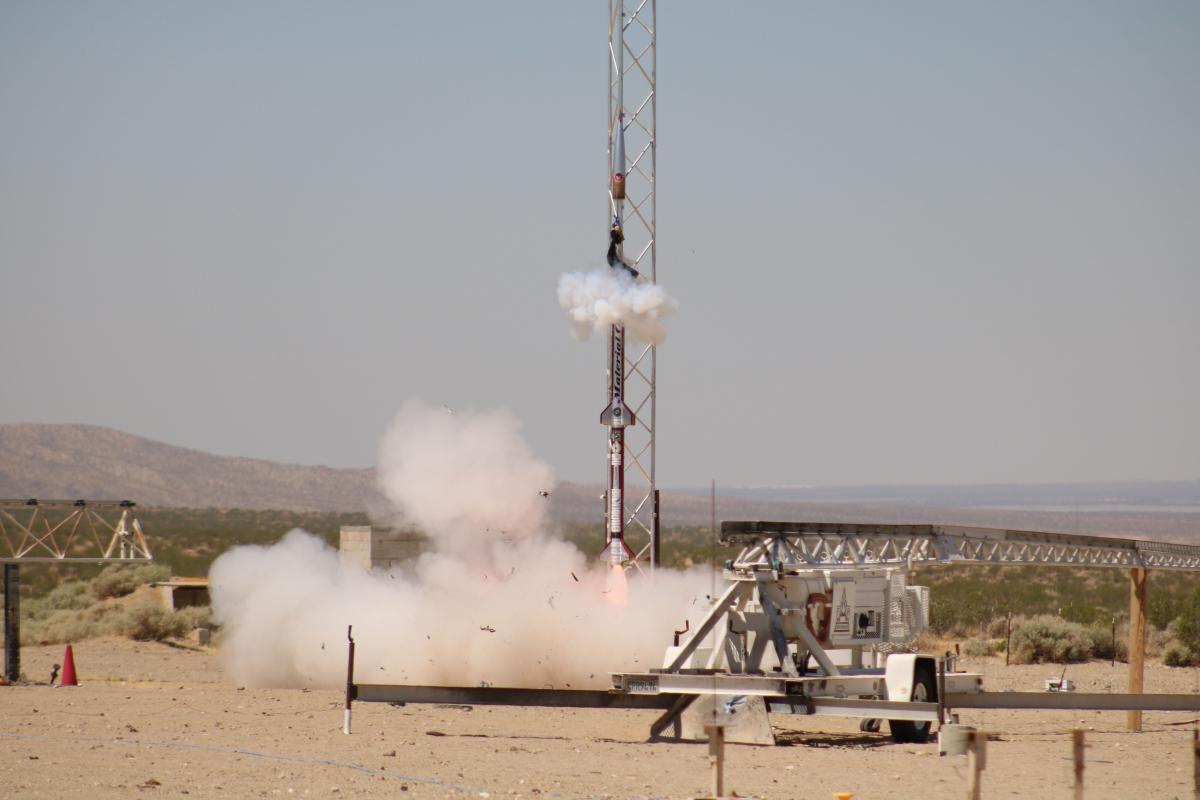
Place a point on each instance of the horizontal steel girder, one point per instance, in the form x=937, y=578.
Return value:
x=501, y=696
x=1075, y=701
x=788, y=545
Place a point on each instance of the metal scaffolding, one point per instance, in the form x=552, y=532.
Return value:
x=96, y=531
x=60, y=531
x=632, y=100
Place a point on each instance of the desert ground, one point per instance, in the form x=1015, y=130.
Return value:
x=163, y=720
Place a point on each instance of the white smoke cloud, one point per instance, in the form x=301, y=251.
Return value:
x=604, y=297
x=498, y=600
x=459, y=474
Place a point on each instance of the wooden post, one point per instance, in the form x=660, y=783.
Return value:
x=1077, y=748
x=977, y=746
x=716, y=757
x=1008, y=640
x=1137, y=641
x=1196, y=762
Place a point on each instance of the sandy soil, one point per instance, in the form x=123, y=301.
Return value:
x=157, y=720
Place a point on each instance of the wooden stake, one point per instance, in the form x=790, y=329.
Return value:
x=1137, y=641
x=1077, y=746
x=1196, y=762
x=716, y=757
x=1008, y=640
x=977, y=745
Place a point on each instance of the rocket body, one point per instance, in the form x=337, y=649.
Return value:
x=616, y=415
x=618, y=165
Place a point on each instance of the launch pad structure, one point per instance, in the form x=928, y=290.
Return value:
x=836, y=594
x=631, y=505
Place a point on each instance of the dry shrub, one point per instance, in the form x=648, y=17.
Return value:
x=196, y=617
x=119, y=580
x=1179, y=655
x=151, y=622
x=980, y=647
x=1050, y=639
x=1101, y=644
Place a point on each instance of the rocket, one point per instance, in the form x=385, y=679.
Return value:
x=616, y=416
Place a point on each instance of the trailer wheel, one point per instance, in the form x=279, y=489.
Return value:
x=870, y=725
x=924, y=690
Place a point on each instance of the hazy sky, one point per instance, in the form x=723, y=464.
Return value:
x=912, y=242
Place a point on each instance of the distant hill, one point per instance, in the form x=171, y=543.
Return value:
x=87, y=461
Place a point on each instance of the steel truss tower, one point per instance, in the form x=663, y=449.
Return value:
x=632, y=100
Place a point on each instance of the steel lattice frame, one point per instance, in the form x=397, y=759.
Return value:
x=783, y=546
x=632, y=94
x=70, y=530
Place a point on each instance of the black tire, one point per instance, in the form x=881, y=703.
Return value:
x=924, y=691
x=870, y=725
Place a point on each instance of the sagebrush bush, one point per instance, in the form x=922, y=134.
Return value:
x=980, y=647
x=119, y=580
x=71, y=595
x=1162, y=609
x=1177, y=654
x=1101, y=644
x=150, y=622
x=1187, y=629
x=63, y=626
x=997, y=628
x=1050, y=639
x=196, y=617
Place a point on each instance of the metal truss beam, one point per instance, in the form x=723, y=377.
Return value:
x=633, y=102
x=804, y=545
x=56, y=531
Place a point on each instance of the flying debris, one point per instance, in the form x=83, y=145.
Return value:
x=543, y=493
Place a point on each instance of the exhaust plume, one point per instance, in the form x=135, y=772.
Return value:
x=497, y=599
x=456, y=475
x=598, y=299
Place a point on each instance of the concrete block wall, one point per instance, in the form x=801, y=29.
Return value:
x=376, y=549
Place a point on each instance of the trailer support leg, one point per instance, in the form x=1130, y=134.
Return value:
x=671, y=715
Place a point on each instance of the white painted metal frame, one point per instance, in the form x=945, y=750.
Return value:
x=70, y=530
x=632, y=95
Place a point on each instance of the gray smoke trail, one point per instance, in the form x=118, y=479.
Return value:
x=601, y=298
x=499, y=600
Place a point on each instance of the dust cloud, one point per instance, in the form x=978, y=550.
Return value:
x=498, y=600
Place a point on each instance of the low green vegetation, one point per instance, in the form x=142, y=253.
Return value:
x=103, y=605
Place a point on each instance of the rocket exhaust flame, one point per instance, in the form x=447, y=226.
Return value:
x=617, y=592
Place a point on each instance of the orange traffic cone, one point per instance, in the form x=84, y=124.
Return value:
x=68, y=672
